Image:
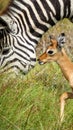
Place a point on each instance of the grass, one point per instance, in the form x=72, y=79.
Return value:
x=31, y=102
x=4, y=5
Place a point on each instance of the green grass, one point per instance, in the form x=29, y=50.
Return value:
x=31, y=102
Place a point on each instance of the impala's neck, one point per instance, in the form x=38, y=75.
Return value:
x=66, y=65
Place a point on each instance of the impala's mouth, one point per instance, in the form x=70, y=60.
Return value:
x=40, y=62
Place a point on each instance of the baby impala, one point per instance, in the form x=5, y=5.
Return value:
x=55, y=52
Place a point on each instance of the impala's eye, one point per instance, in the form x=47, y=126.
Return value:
x=50, y=52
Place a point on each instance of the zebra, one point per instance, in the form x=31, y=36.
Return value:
x=21, y=27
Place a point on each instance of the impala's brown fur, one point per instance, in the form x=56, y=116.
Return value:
x=57, y=53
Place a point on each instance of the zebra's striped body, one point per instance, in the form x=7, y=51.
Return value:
x=25, y=22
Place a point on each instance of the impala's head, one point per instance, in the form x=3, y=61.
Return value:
x=54, y=49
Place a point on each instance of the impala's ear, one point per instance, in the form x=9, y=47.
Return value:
x=61, y=40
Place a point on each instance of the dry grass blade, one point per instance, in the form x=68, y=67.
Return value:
x=4, y=5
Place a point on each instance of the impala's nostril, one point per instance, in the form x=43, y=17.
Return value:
x=37, y=59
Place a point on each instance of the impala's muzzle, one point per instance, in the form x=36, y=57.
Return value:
x=40, y=62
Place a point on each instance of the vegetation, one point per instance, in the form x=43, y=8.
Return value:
x=31, y=102
x=4, y=5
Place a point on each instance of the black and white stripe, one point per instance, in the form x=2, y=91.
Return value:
x=23, y=24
